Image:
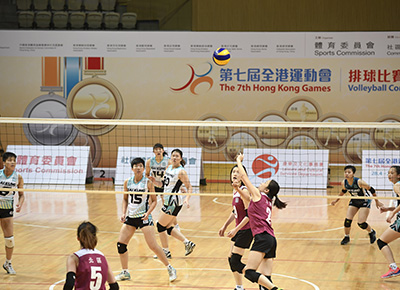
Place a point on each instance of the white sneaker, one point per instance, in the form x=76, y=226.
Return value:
x=123, y=276
x=189, y=247
x=8, y=267
x=171, y=273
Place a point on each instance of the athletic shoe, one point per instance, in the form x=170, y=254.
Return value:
x=123, y=276
x=189, y=246
x=372, y=237
x=167, y=253
x=8, y=267
x=391, y=273
x=171, y=273
x=345, y=240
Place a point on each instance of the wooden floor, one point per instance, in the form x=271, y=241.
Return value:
x=309, y=252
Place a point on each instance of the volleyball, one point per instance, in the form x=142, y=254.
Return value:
x=221, y=56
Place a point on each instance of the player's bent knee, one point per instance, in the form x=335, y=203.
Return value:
x=363, y=225
x=347, y=223
x=122, y=248
x=9, y=242
x=381, y=244
x=160, y=228
x=169, y=230
x=236, y=263
x=252, y=275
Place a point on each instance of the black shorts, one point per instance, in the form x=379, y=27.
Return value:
x=265, y=243
x=138, y=222
x=171, y=209
x=359, y=203
x=158, y=189
x=243, y=239
x=5, y=213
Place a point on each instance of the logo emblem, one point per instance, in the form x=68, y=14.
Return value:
x=194, y=82
x=265, y=166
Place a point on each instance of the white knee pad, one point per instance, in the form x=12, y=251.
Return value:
x=9, y=242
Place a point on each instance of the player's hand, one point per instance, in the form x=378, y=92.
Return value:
x=122, y=218
x=334, y=202
x=379, y=204
x=145, y=217
x=231, y=233
x=221, y=232
x=389, y=218
x=186, y=202
x=239, y=157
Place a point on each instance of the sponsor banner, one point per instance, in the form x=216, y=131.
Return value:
x=291, y=168
x=376, y=165
x=192, y=157
x=200, y=44
x=51, y=164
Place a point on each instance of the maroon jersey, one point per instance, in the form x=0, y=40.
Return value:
x=260, y=215
x=239, y=209
x=92, y=271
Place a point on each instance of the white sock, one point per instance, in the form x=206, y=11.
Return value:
x=125, y=270
x=186, y=241
x=166, y=250
x=8, y=261
x=239, y=287
x=393, y=266
x=169, y=266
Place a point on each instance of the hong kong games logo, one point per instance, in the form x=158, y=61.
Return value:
x=265, y=166
x=195, y=79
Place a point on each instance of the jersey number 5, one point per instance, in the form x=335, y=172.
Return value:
x=96, y=276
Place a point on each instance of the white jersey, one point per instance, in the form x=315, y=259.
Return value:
x=157, y=169
x=138, y=202
x=172, y=184
x=7, y=197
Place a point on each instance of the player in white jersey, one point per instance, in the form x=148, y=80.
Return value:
x=9, y=178
x=136, y=214
x=175, y=176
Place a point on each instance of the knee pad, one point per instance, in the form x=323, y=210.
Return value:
x=169, y=230
x=347, y=223
x=363, y=225
x=381, y=244
x=236, y=263
x=9, y=242
x=252, y=275
x=160, y=228
x=122, y=248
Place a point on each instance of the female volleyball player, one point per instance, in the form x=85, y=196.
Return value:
x=241, y=235
x=259, y=211
x=9, y=178
x=393, y=232
x=137, y=207
x=156, y=166
x=357, y=187
x=174, y=177
x=88, y=267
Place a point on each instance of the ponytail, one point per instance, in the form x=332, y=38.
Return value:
x=274, y=188
x=87, y=235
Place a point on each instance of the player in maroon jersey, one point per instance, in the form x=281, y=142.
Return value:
x=241, y=235
x=259, y=211
x=87, y=269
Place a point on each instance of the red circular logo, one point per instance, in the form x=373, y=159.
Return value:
x=265, y=166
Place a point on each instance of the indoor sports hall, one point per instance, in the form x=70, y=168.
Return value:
x=129, y=113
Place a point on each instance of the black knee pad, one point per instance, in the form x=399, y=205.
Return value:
x=169, y=230
x=363, y=225
x=381, y=244
x=160, y=228
x=347, y=223
x=252, y=275
x=122, y=248
x=236, y=263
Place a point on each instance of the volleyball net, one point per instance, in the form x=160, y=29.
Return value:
x=307, y=159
